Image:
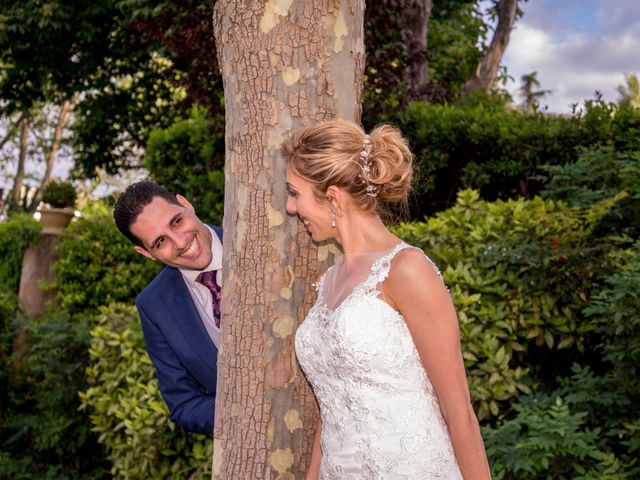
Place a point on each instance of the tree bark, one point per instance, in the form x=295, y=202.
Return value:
x=18, y=180
x=63, y=120
x=414, y=21
x=285, y=64
x=488, y=67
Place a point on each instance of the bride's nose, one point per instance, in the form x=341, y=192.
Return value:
x=290, y=206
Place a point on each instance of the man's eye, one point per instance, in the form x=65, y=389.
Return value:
x=177, y=221
x=159, y=243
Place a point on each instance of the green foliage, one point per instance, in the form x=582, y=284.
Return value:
x=599, y=174
x=182, y=158
x=16, y=234
x=520, y=273
x=563, y=434
x=128, y=411
x=616, y=311
x=47, y=50
x=44, y=435
x=59, y=194
x=456, y=31
x=482, y=145
x=97, y=265
x=114, y=121
x=162, y=61
x=455, y=34
x=8, y=308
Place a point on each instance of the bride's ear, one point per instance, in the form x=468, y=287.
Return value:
x=335, y=199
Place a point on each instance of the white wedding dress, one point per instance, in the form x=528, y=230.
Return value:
x=380, y=414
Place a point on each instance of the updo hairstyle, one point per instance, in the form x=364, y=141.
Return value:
x=329, y=153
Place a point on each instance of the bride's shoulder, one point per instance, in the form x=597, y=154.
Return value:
x=411, y=264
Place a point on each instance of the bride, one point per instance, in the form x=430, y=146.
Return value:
x=381, y=346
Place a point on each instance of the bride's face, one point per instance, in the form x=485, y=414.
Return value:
x=314, y=212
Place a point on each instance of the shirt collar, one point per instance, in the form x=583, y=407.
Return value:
x=216, y=260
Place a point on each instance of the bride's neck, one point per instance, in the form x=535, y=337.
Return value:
x=364, y=233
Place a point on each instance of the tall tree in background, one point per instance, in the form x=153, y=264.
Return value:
x=630, y=91
x=285, y=64
x=442, y=48
x=414, y=21
x=487, y=70
x=162, y=63
x=530, y=96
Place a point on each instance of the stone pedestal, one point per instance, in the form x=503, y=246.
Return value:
x=37, y=266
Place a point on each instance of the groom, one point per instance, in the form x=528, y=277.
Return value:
x=179, y=310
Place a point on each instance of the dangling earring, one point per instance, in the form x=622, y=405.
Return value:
x=333, y=219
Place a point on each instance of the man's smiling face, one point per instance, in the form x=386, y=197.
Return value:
x=173, y=234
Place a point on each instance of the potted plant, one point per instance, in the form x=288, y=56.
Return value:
x=59, y=197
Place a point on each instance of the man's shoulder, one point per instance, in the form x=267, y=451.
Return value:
x=162, y=284
x=216, y=229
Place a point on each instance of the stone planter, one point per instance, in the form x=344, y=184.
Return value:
x=55, y=220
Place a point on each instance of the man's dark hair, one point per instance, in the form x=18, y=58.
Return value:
x=131, y=203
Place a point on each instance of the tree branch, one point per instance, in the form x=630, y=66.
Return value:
x=63, y=119
x=488, y=68
x=12, y=130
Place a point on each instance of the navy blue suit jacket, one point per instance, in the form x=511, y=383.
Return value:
x=182, y=352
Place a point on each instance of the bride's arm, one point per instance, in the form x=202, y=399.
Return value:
x=417, y=292
x=313, y=472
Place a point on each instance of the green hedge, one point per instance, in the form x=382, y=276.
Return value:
x=599, y=174
x=127, y=410
x=483, y=145
x=17, y=233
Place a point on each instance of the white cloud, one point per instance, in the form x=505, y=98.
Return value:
x=591, y=52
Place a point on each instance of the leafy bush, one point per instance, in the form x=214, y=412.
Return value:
x=599, y=174
x=44, y=434
x=616, y=312
x=16, y=234
x=563, y=434
x=97, y=265
x=187, y=158
x=128, y=411
x=59, y=194
x=520, y=273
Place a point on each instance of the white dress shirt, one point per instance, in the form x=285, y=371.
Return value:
x=202, y=295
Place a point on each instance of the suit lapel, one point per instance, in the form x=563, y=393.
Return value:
x=187, y=319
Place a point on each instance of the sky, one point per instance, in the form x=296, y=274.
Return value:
x=577, y=47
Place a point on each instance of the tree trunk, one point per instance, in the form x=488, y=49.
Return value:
x=63, y=119
x=18, y=180
x=285, y=64
x=488, y=68
x=414, y=21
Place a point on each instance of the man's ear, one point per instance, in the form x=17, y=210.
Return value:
x=185, y=203
x=144, y=252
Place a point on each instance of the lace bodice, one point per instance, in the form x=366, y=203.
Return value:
x=380, y=414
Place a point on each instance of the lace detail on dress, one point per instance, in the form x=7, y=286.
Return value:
x=380, y=414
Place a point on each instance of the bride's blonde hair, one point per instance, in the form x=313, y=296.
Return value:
x=330, y=153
